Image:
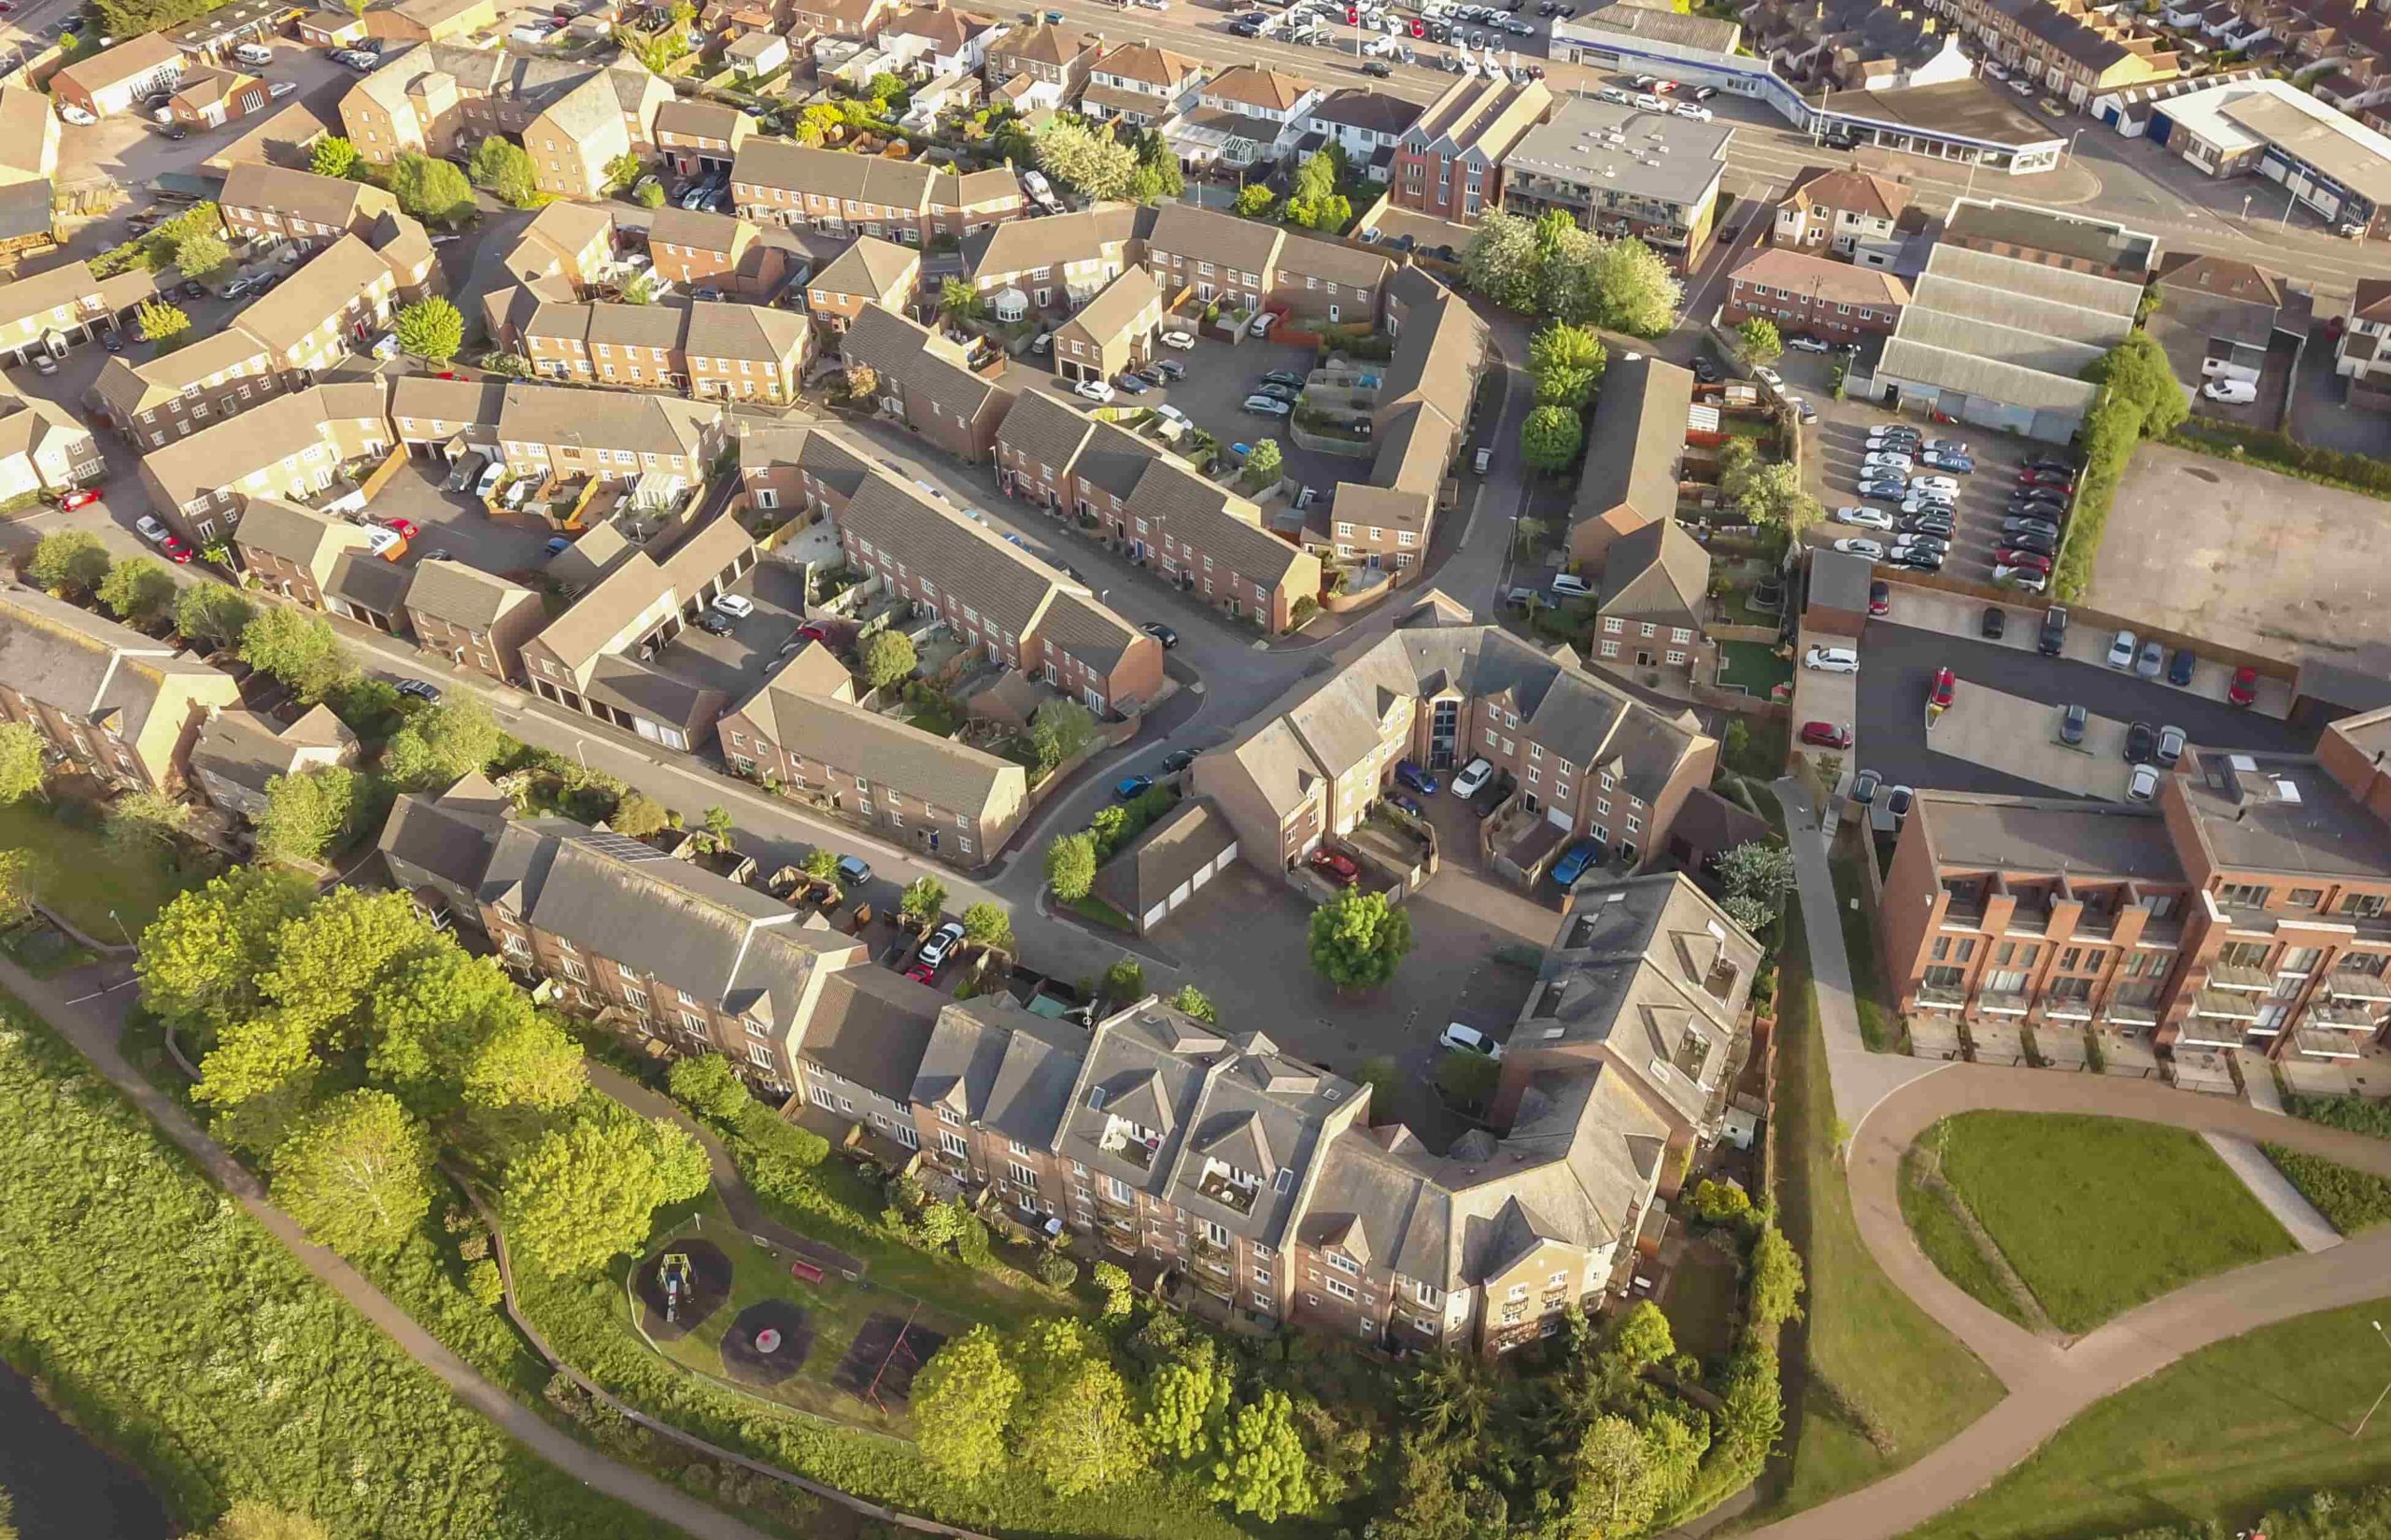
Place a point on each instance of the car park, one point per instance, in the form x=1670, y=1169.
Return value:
x=2012, y=556
x=1865, y=518
x=1884, y=491
x=2073, y=718
x=1860, y=545
x=1924, y=506
x=1928, y=520
x=2142, y=743
x=1336, y=866
x=1826, y=735
x=1468, y=1039
x=941, y=944
x=1473, y=779
x=2243, y=691
x=1831, y=660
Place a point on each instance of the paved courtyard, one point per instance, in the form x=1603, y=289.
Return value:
x=737, y=663
x=457, y=522
x=2257, y=560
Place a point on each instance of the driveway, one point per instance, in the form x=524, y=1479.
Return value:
x=737, y=663
x=2320, y=410
x=457, y=523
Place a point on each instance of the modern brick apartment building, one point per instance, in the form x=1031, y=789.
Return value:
x=116, y=704
x=2251, y=908
x=291, y=446
x=1449, y=165
x=1815, y=296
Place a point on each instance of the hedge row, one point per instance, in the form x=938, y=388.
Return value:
x=2349, y=1200
x=2282, y=452
x=2111, y=430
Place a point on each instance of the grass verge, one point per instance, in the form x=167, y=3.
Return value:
x=1872, y=1381
x=1701, y=1304
x=2349, y=1200
x=1946, y=1241
x=76, y=874
x=2222, y=1435
x=1858, y=917
x=2100, y=1214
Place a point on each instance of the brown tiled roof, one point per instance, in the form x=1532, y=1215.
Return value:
x=1258, y=87
x=1045, y=429
x=1844, y=188
x=1823, y=278
x=1006, y=584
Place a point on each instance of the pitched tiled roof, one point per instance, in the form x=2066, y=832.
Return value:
x=1005, y=583
x=333, y=201
x=760, y=333
x=460, y=595
x=1017, y=245
x=1147, y=63
x=936, y=770
x=1363, y=108
x=1849, y=189
x=1169, y=853
x=1823, y=278
x=1119, y=307
x=1044, y=429
x=924, y=365
x=1637, y=441
x=1189, y=230
x=1656, y=573
x=871, y=1026
x=833, y=174
x=870, y=267
x=1257, y=87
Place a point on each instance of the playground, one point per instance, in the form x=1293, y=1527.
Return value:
x=770, y=1325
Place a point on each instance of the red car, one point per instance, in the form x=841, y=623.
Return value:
x=77, y=497
x=1337, y=867
x=2056, y=480
x=1826, y=735
x=922, y=973
x=2243, y=691
x=178, y=549
x=1946, y=684
x=2033, y=560
x=813, y=631
x=404, y=527
x=448, y=374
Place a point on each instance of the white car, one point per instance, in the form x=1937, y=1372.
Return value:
x=1572, y=584
x=1801, y=342
x=942, y=942
x=150, y=530
x=1177, y=420
x=1771, y=375
x=1866, y=518
x=2122, y=648
x=1831, y=660
x=1647, y=102
x=2231, y=392
x=737, y=606
x=1935, y=484
x=1689, y=109
x=1472, y=779
x=1462, y=1038
x=69, y=113
x=1263, y=323
x=1184, y=341
x=384, y=543
x=1860, y=545
x=2143, y=783
x=2032, y=580
x=1889, y=459
x=1093, y=389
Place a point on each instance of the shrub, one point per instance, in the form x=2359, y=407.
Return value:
x=1057, y=1271
x=2357, y=1114
x=482, y=1281
x=2349, y=1200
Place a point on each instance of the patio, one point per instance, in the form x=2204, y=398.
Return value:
x=1933, y=1035
x=1996, y=1039
x=2061, y=1044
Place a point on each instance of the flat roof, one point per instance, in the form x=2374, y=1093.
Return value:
x=2283, y=812
x=2046, y=834
x=1599, y=143
x=1664, y=26
x=2340, y=146
x=1967, y=109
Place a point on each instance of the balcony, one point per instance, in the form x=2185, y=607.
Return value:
x=2004, y=1002
x=1938, y=997
x=2117, y=1015
x=2313, y=1044
x=2345, y=985
x=2258, y=980
x=2029, y=920
x=2224, y=1006
x=2067, y=1011
x=1227, y=1191
x=2342, y=1016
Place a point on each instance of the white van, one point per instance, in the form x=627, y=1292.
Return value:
x=491, y=479
x=254, y=53
x=1485, y=457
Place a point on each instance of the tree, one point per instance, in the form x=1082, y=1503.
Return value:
x=433, y=329
x=1613, y=1498
x=963, y=1403
x=69, y=561
x=1549, y=439
x=1262, y=466
x=886, y=657
x=1467, y=1078
x=1566, y=362
x=1089, y=161
x=1777, y=1278
x=923, y=900
x=139, y=589
x=987, y=925
x=649, y=194
x=2136, y=371
x=1186, y=1399
x=1758, y=340
x=817, y=123
x=1195, y=1003
x=641, y=290
x=141, y=822
x=1636, y=290
x=309, y=813
x=960, y=300
x=1124, y=981
x=431, y=190
x=1254, y=202
x=623, y=170
x=638, y=815
x=201, y=253
x=157, y=321
x=201, y=959
x=863, y=381
x=1060, y=729
x=1642, y=1336
x=1070, y=867
x=1076, y=1429
x=356, y=1174
x=1312, y=198
x=1765, y=492
x=717, y=824
x=883, y=87
x=1158, y=177
x=21, y=749
x=1450, y=1398
x=822, y=865
x=1112, y=1281
x=1748, y=912
x=333, y=156
x=1500, y=263
x=298, y=649
x=1721, y=1202
x=1759, y=869
x=1263, y=1469
x=587, y=1191
x=212, y=614
x=707, y=1085
x=16, y=897
x=440, y=744
x=527, y=1059
x=504, y=168
x=249, y=1519
x=1357, y=939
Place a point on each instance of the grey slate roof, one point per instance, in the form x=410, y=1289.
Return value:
x=872, y=1026
x=924, y=366
x=445, y=842
x=251, y=748
x=1003, y=581
x=1168, y=852
x=991, y=1061
x=1636, y=441
x=369, y=582
x=461, y=595
x=953, y=776
x=1044, y=429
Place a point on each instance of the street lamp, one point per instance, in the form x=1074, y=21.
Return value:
x=2246, y=198
x=2070, y=158
x=122, y=931
x=2386, y=1386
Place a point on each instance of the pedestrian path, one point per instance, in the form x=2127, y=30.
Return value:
x=2259, y=1082
x=2310, y=1230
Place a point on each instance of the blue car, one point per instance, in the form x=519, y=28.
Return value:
x=1131, y=787
x=1575, y=860
x=1412, y=777
x=1408, y=804
x=1957, y=464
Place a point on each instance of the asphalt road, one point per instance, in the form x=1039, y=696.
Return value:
x=1898, y=668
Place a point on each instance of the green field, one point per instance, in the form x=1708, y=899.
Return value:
x=76, y=874
x=2225, y=1434
x=1878, y=1382
x=2100, y=1214
x=1948, y=1242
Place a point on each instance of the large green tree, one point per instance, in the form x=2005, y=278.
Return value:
x=588, y=1191
x=2137, y=371
x=69, y=561
x=1070, y=867
x=201, y=253
x=1187, y=1397
x=1636, y=290
x=1060, y=729
x=1500, y=263
x=1615, y=1496
x=1264, y=465
x=1262, y=1468
x=1642, y=1336
x=310, y=812
x=1087, y=160
x=503, y=169
x=431, y=190
x=963, y=1405
x=1356, y=938
x=988, y=926
x=142, y=822
x=201, y=959
x=1758, y=340
x=298, y=649
x=357, y=1173
x=433, y=330
x=1077, y=1428
x=20, y=752
x=886, y=657
x=442, y=743
x=333, y=156
x=1551, y=437
x=139, y=589
x=157, y=321
x=1566, y=362
x=212, y=615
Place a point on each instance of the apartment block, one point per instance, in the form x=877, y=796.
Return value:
x=1806, y=295
x=291, y=446
x=1614, y=170
x=290, y=550
x=438, y=99
x=1449, y=165
x=116, y=704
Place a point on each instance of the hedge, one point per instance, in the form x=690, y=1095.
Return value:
x=2357, y=1114
x=2349, y=1200
x=2111, y=430
x=2282, y=452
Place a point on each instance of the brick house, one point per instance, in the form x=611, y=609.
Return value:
x=291, y=550
x=241, y=753
x=1213, y=255
x=291, y=446
x=1042, y=66
x=1813, y=296
x=1449, y=165
x=1838, y=210
x=273, y=202
x=696, y=250
x=175, y=394
x=210, y=98
x=1141, y=85
x=114, y=703
x=1112, y=333
x=1064, y=260
x=114, y=80
x=791, y=468
x=701, y=138
x=475, y=619
x=925, y=382
x=870, y=272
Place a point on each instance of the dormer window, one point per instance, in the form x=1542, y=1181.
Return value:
x=1133, y=1141
x=1344, y=1263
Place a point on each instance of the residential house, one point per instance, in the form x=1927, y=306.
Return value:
x=117, y=80
x=241, y=753
x=1366, y=124
x=696, y=250
x=1838, y=210
x=543, y=429
x=1214, y=255
x=1806, y=295
x=1859, y=45
x=710, y=349
x=1449, y=165
x=592, y=658
x=862, y=1043
x=1141, y=85
x=447, y=419
x=831, y=190
x=1327, y=282
x=701, y=138
x=745, y=352
x=756, y=54
x=568, y=241
x=2072, y=50
x=924, y=381
x=839, y=18
x=271, y=203
x=2363, y=355
x=991, y=1086
x=1649, y=610
x=42, y=447
x=287, y=136
x=210, y=98
x=1041, y=67
x=794, y=468
x=331, y=306
x=1585, y=757
x=475, y=619
x=291, y=446
x=1065, y=260
x=943, y=40
x=1245, y=116
x=176, y=394
x=1613, y=170
x=868, y=272
x=2218, y=316
x=49, y=312
x=28, y=136
x=290, y=550
x=802, y=733
x=440, y=99
x=1112, y=333
x=113, y=703
x=998, y=599
x=1635, y=451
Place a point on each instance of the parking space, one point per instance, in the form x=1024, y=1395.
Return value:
x=1838, y=447
x=2320, y=410
x=736, y=661
x=2184, y=552
x=456, y=523
x=1220, y=377
x=1822, y=697
x=2010, y=733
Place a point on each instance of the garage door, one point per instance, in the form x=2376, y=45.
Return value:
x=1179, y=895
x=1557, y=817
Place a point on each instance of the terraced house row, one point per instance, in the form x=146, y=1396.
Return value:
x=1257, y=1176
x=839, y=193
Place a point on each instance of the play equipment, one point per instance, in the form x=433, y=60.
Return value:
x=673, y=1276
x=767, y=1340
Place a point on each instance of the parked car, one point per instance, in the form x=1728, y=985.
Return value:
x=1336, y=866
x=2143, y=786
x=2181, y=667
x=73, y=497
x=1575, y=860
x=1880, y=597
x=2057, y=467
x=1161, y=634
x=1928, y=520
x=1865, y=518
x=1946, y=684
x=1826, y=735
x=1277, y=391
x=1171, y=369
x=2230, y=392
x=1933, y=483
x=1864, y=786
x=2037, y=544
x=2243, y=691
x=854, y=871
x=2026, y=525
x=1462, y=1038
x=1947, y=446
x=2025, y=578
x=1130, y=787
x=1937, y=507
x=1408, y=774
x=2142, y=743
x=1131, y=383
x=1472, y=779
x=1093, y=390
x=2052, y=638
x=2122, y=648
x=941, y=944
x=148, y=529
x=2017, y=556
x=421, y=690
x=1799, y=342
x=715, y=623
x=1898, y=803
x=2073, y=719
x=1860, y=545
x=1705, y=371
x=2063, y=480
x=1939, y=460
x=737, y=606
x=2171, y=743
x=1882, y=489
x=1995, y=623
x=1269, y=406
x=1831, y=660
x=1181, y=340
x=1177, y=760
x=2152, y=660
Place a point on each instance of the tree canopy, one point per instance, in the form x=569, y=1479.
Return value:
x=1356, y=938
x=298, y=649
x=1551, y=437
x=1070, y=867
x=333, y=156
x=139, y=589
x=587, y=1191
x=69, y=561
x=357, y=1173
x=431, y=328
x=2136, y=371
x=503, y=169
x=431, y=190
x=885, y=658
x=1087, y=160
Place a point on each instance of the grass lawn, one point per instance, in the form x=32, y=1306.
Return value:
x=78, y=875
x=1947, y=1241
x=1865, y=1361
x=1876, y=1022
x=1102, y=913
x=2100, y=1214
x=1701, y=1304
x=1754, y=666
x=2221, y=1435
